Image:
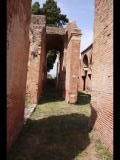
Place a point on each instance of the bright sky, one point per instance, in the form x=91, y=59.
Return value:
x=82, y=12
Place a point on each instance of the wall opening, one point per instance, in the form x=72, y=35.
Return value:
x=52, y=64
x=85, y=61
x=84, y=79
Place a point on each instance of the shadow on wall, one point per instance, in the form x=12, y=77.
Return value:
x=83, y=98
x=54, y=138
x=93, y=118
x=61, y=82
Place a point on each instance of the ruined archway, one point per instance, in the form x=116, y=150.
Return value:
x=64, y=40
x=86, y=69
x=18, y=21
x=55, y=38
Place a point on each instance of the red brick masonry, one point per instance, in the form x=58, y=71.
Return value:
x=102, y=72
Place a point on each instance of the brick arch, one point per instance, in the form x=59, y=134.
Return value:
x=67, y=42
x=18, y=21
x=55, y=42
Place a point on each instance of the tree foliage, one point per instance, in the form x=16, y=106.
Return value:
x=51, y=57
x=53, y=18
x=36, y=8
x=52, y=13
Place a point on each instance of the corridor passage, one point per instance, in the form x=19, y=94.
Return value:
x=56, y=131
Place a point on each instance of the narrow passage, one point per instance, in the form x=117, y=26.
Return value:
x=56, y=131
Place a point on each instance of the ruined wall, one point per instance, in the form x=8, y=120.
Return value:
x=80, y=80
x=63, y=71
x=57, y=73
x=60, y=78
x=102, y=72
x=37, y=59
x=55, y=40
x=72, y=63
x=83, y=68
x=18, y=19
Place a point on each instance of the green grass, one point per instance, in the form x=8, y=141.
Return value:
x=56, y=137
x=102, y=151
x=83, y=99
x=57, y=131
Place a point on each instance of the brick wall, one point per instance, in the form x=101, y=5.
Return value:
x=61, y=74
x=18, y=19
x=82, y=75
x=37, y=59
x=72, y=63
x=102, y=72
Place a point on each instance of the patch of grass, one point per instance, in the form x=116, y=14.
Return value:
x=59, y=108
x=102, y=151
x=83, y=98
x=60, y=137
x=55, y=131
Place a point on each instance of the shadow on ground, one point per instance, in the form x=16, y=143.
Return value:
x=83, y=98
x=50, y=93
x=53, y=138
x=60, y=137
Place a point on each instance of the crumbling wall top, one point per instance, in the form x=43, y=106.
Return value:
x=55, y=30
x=38, y=20
x=72, y=29
x=88, y=48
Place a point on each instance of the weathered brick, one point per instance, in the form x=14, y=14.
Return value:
x=72, y=63
x=102, y=72
x=37, y=59
x=18, y=20
x=85, y=85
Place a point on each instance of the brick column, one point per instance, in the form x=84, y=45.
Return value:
x=72, y=62
x=37, y=59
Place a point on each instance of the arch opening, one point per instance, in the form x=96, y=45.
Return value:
x=85, y=61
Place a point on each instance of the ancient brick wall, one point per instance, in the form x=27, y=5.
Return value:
x=80, y=80
x=42, y=39
x=72, y=63
x=37, y=59
x=18, y=19
x=102, y=72
x=55, y=40
x=61, y=77
x=86, y=71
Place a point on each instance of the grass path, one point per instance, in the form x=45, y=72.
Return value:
x=56, y=131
